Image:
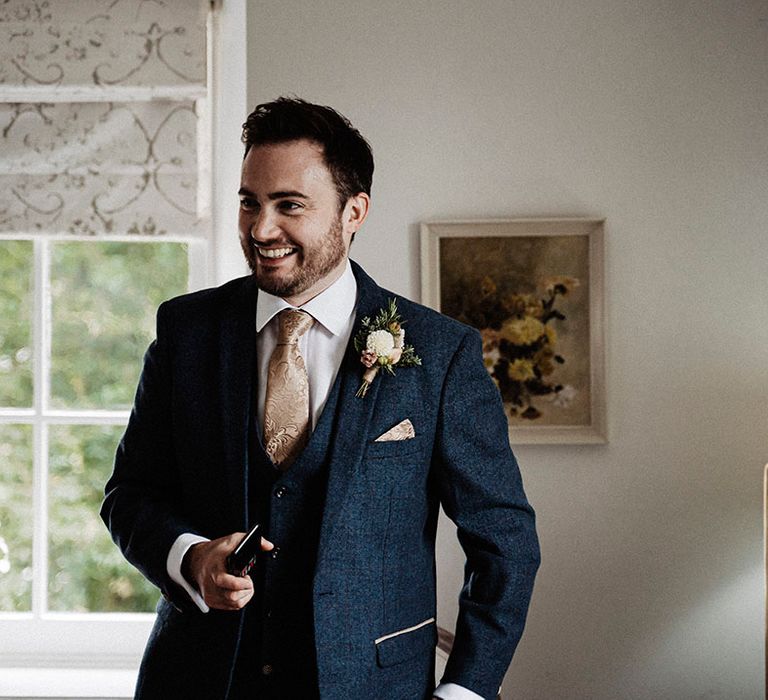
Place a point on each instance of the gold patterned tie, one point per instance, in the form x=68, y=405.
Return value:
x=286, y=409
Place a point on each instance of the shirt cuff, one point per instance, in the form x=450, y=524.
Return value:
x=452, y=691
x=173, y=566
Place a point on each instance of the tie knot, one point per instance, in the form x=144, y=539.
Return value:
x=293, y=324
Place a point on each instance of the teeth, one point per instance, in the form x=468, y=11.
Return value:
x=275, y=252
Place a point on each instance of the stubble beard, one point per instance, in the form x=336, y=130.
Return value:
x=315, y=262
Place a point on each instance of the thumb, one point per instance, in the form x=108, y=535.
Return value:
x=233, y=539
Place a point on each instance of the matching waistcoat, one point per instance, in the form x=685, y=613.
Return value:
x=276, y=658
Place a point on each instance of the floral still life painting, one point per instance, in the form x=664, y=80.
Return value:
x=520, y=344
x=531, y=298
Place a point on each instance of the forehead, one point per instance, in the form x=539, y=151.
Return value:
x=293, y=165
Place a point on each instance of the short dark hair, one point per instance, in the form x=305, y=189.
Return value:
x=347, y=154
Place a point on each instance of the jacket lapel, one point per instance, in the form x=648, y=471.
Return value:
x=237, y=354
x=353, y=413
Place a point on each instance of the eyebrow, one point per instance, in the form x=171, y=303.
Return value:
x=282, y=194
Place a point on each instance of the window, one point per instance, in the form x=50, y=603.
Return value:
x=104, y=213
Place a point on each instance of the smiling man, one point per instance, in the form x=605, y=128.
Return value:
x=269, y=401
x=295, y=240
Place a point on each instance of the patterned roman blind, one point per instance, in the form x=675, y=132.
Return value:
x=103, y=117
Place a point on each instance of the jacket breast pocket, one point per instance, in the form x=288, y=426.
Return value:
x=404, y=644
x=394, y=448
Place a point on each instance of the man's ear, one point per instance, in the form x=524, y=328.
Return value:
x=356, y=212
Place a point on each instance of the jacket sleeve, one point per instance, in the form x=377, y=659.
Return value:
x=141, y=507
x=482, y=492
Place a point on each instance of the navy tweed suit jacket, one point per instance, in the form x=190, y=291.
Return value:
x=181, y=467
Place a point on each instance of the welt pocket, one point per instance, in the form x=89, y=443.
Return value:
x=394, y=448
x=396, y=647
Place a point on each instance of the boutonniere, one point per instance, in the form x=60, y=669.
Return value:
x=381, y=344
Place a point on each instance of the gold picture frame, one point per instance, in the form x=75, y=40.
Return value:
x=534, y=290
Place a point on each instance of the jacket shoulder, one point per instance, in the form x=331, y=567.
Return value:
x=202, y=303
x=211, y=295
x=436, y=338
x=419, y=318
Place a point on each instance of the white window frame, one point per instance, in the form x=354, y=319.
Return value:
x=42, y=639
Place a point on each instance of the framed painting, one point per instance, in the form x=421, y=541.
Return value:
x=534, y=290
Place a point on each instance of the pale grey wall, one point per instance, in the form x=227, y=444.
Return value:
x=652, y=114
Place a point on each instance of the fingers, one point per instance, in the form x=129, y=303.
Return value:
x=220, y=589
x=229, y=592
x=230, y=582
x=232, y=600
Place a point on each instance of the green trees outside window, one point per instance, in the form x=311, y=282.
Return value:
x=104, y=298
x=16, y=517
x=16, y=285
x=99, y=305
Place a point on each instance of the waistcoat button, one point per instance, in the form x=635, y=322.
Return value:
x=281, y=491
x=275, y=552
x=266, y=669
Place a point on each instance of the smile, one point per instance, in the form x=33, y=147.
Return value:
x=274, y=253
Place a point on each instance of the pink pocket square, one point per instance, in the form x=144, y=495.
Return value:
x=402, y=431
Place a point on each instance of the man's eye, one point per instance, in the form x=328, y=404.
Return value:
x=290, y=206
x=248, y=203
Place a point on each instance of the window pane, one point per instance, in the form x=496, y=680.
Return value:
x=16, y=517
x=16, y=259
x=86, y=572
x=104, y=299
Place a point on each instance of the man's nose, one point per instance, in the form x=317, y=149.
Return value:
x=263, y=227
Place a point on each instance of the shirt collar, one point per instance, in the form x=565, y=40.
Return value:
x=332, y=307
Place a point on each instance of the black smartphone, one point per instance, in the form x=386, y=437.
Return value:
x=242, y=559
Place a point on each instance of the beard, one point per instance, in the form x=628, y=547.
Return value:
x=315, y=261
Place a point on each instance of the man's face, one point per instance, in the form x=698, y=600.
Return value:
x=294, y=237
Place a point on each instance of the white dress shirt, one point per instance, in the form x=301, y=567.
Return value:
x=322, y=347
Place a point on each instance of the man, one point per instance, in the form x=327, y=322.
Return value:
x=256, y=406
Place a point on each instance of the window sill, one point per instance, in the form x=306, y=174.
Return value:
x=48, y=683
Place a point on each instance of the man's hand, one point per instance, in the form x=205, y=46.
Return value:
x=205, y=566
